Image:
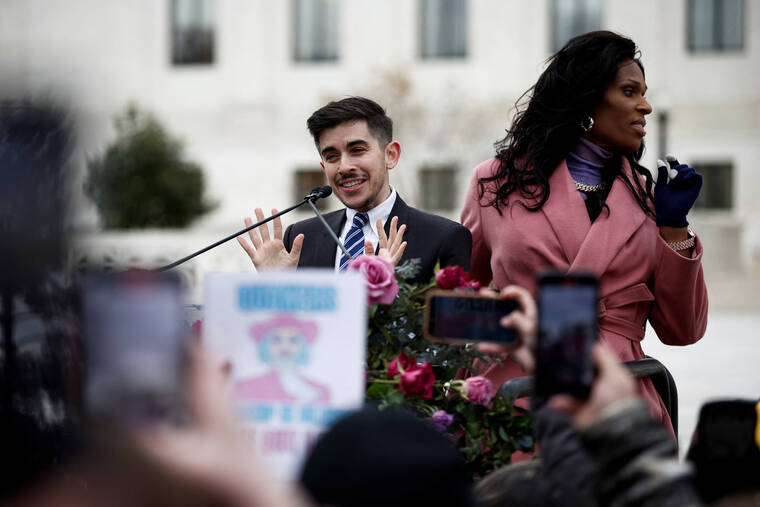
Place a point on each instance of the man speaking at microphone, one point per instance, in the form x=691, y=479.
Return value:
x=354, y=138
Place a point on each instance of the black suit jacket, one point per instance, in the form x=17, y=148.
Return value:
x=430, y=238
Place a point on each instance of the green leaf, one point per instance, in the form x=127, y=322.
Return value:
x=379, y=390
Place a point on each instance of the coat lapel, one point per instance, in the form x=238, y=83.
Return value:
x=591, y=247
x=566, y=212
x=611, y=230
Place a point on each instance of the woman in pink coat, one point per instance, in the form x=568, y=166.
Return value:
x=566, y=191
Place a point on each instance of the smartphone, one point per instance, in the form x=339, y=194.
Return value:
x=567, y=328
x=462, y=317
x=135, y=340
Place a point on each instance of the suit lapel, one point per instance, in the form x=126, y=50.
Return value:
x=324, y=252
x=401, y=210
x=611, y=230
x=566, y=212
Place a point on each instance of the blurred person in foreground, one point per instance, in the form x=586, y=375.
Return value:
x=628, y=457
x=354, y=138
x=615, y=453
x=39, y=356
x=633, y=453
x=725, y=452
x=206, y=462
x=566, y=191
x=380, y=458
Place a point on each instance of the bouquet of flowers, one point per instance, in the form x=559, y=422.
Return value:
x=431, y=379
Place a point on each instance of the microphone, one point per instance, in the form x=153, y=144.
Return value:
x=316, y=193
x=324, y=192
x=319, y=193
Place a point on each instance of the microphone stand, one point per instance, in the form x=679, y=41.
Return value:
x=329, y=229
x=306, y=199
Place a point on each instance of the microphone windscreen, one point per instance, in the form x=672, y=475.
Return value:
x=324, y=191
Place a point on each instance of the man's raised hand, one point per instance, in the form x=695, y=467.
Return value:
x=391, y=247
x=269, y=252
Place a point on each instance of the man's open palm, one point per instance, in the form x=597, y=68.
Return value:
x=269, y=252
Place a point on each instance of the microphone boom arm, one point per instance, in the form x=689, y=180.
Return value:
x=329, y=229
x=306, y=199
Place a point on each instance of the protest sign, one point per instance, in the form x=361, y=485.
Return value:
x=296, y=343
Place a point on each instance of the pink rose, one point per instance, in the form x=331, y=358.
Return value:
x=380, y=275
x=478, y=390
x=450, y=277
x=418, y=381
x=402, y=362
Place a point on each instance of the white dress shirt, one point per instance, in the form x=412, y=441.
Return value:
x=381, y=211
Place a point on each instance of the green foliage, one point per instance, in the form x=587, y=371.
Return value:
x=142, y=180
x=487, y=436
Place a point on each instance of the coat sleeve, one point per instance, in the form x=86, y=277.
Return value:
x=472, y=218
x=679, y=312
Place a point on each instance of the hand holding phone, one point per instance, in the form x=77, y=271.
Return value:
x=464, y=317
x=567, y=329
x=136, y=344
x=524, y=320
x=613, y=384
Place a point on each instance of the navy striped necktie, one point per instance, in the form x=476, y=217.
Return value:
x=354, y=241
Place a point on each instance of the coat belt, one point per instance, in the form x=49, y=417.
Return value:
x=624, y=297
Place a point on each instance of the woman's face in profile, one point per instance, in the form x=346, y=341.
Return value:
x=619, y=123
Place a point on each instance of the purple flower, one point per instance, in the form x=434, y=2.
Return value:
x=441, y=420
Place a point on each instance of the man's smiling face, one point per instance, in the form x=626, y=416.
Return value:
x=356, y=165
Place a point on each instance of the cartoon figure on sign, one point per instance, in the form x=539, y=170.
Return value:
x=283, y=344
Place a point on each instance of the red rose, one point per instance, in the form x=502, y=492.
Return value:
x=418, y=381
x=451, y=277
x=405, y=362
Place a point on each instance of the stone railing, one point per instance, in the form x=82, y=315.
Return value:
x=153, y=248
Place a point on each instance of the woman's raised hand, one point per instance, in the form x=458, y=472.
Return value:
x=675, y=192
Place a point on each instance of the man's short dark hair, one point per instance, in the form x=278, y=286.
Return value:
x=351, y=109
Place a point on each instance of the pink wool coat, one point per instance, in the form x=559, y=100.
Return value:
x=640, y=277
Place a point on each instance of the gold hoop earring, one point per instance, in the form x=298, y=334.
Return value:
x=587, y=123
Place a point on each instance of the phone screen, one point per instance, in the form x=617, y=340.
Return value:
x=135, y=338
x=567, y=328
x=469, y=319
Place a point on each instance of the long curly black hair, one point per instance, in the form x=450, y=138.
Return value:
x=547, y=124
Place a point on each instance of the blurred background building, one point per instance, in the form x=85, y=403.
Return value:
x=235, y=80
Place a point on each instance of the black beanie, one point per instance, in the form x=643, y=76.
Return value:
x=385, y=458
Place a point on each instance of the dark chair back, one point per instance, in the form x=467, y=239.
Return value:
x=650, y=367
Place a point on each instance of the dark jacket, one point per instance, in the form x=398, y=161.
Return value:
x=429, y=237
x=629, y=459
